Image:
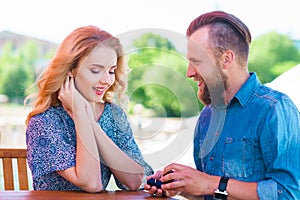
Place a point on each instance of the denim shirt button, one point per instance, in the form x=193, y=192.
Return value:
x=211, y=158
x=279, y=191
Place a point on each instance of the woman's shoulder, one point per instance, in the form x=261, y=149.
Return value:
x=50, y=115
x=52, y=122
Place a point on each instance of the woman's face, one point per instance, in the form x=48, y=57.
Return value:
x=96, y=73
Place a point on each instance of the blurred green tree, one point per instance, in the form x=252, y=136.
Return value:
x=17, y=69
x=272, y=54
x=157, y=79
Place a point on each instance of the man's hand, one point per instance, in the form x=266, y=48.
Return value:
x=154, y=191
x=188, y=180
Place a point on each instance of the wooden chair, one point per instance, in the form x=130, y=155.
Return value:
x=7, y=156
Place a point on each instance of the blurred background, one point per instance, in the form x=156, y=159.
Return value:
x=163, y=106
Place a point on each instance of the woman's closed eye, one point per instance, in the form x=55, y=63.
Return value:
x=95, y=71
x=112, y=70
x=100, y=69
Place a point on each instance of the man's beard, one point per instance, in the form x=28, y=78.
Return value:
x=217, y=88
x=204, y=97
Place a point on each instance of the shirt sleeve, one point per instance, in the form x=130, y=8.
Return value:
x=280, y=143
x=48, y=145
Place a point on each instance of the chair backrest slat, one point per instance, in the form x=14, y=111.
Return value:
x=23, y=176
x=8, y=174
x=7, y=155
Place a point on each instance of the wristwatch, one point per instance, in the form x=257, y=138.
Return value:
x=221, y=193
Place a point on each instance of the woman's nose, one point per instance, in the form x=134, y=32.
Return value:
x=105, y=78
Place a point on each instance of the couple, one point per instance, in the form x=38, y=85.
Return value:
x=247, y=138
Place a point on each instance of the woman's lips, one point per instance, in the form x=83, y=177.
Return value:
x=99, y=91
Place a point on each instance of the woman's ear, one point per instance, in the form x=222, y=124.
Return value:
x=70, y=74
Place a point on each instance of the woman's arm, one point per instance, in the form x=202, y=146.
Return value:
x=127, y=170
x=86, y=174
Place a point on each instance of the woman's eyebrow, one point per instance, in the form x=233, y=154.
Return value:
x=98, y=65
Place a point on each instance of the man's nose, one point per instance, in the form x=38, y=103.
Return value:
x=191, y=72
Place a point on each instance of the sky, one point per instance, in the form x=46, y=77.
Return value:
x=53, y=20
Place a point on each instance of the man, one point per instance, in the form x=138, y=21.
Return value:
x=247, y=138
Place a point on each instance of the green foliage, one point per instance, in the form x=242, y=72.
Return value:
x=15, y=83
x=157, y=79
x=270, y=50
x=283, y=67
x=149, y=40
x=17, y=69
x=158, y=72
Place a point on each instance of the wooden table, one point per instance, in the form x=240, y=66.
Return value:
x=57, y=195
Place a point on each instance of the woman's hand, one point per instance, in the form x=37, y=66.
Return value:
x=71, y=99
x=153, y=190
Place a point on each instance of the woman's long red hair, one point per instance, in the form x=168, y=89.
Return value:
x=74, y=48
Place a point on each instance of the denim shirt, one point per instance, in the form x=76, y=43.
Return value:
x=259, y=142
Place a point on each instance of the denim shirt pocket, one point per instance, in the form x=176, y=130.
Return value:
x=237, y=158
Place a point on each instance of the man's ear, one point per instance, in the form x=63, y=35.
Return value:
x=227, y=58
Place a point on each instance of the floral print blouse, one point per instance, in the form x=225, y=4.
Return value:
x=51, y=146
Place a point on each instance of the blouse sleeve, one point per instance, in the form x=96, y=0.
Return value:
x=50, y=144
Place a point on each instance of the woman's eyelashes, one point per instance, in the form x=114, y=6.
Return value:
x=97, y=71
x=112, y=71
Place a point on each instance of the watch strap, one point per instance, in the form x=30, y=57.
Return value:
x=223, y=183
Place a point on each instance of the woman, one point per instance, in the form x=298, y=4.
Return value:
x=76, y=136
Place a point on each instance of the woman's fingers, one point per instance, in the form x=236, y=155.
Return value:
x=65, y=92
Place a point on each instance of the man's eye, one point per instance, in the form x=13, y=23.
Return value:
x=112, y=72
x=195, y=62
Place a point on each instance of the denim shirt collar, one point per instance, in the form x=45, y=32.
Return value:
x=247, y=90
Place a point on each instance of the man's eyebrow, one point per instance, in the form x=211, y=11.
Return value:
x=193, y=59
